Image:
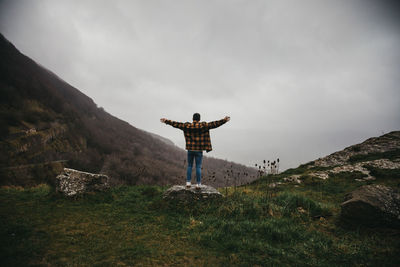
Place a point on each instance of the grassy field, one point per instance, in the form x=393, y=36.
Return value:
x=251, y=226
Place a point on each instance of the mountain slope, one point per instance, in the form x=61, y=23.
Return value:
x=47, y=124
x=376, y=159
x=378, y=146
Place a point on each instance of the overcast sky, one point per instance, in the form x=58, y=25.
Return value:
x=300, y=79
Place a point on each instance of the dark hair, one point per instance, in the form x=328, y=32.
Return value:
x=196, y=117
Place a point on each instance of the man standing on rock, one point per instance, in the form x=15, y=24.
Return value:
x=197, y=137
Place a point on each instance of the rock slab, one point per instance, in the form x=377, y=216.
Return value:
x=372, y=205
x=181, y=193
x=72, y=182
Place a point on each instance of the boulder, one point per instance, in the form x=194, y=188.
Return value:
x=372, y=205
x=72, y=182
x=293, y=179
x=181, y=193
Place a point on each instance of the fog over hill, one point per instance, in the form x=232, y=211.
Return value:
x=47, y=124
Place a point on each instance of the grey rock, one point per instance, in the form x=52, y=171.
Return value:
x=372, y=205
x=321, y=175
x=293, y=179
x=384, y=143
x=359, y=167
x=72, y=182
x=274, y=185
x=181, y=193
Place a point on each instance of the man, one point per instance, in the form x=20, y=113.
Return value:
x=197, y=137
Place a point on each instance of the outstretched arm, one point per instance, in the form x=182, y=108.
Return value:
x=215, y=124
x=175, y=124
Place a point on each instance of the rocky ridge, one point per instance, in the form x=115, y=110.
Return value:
x=384, y=143
x=356, y=159
x=360, y=167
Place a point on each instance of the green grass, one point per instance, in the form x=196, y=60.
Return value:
x=389, y=176
x=391, y=155
x=133, y=225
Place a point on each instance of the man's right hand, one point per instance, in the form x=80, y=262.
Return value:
x=163, y=120
x=227, y=118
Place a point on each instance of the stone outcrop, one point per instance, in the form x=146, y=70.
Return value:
x=384, y=143
x=72, y=182
x=372, y=205
x=321, y=175
x=359, y=167
x=293, y=179
x=181, y=193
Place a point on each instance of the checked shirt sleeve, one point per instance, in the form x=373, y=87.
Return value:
x=176, y=124
x=215, y=124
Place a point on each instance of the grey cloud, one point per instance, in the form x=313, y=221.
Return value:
x=300, y=79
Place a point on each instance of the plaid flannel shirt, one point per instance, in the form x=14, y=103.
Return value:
x=197, y=134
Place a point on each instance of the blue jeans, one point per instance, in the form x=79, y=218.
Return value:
x=198, y=157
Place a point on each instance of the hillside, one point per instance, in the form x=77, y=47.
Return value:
x=290, y=219
x=366, y=158
x=375, y=147
x=47, y=124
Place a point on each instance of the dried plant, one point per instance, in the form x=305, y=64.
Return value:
x=267, y=168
